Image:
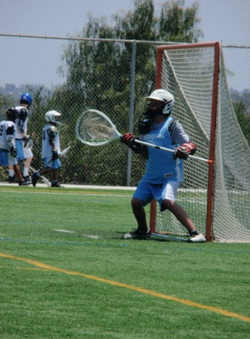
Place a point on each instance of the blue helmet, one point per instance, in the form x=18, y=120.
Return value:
x=26, y=98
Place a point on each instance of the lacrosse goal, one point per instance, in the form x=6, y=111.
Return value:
x=216, y=196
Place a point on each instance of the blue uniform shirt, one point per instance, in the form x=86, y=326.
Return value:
x=161, y=165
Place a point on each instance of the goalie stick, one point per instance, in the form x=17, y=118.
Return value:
x=95, y=128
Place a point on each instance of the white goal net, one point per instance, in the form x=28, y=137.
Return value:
x=216, y=197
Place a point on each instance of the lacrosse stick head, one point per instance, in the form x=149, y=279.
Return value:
x=94, y=128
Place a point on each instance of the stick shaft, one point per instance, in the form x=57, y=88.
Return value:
x=171, y=150
x=45, y=180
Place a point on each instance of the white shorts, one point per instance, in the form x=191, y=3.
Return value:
x=147, y=192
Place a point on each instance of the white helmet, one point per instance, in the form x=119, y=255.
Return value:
x=164, y=96
x=52, y=117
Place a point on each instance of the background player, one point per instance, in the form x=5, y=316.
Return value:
x=8, y=152
x=50, y=149
x=23, y=142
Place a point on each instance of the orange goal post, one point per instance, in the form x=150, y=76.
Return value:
x=216, y=195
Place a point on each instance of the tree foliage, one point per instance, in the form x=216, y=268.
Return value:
x=179, y=24
x=243, y=118
x=100, y=72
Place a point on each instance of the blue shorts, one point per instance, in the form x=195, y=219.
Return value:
x=147, y=192
x=56, y=164
x=6, y=159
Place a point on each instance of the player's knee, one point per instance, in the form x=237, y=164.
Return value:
x=167, y=205
x=136, y=203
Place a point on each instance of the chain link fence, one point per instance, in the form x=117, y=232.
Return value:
x=73, y=74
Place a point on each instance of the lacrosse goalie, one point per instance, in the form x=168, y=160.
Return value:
x=164, y=170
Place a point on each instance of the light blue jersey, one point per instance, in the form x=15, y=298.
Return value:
x=161, y=165
x=46, y=146
x=47, y=149
x=6, y=158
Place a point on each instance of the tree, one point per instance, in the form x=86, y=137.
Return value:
x=243, y=118
x=99, y=72
x=179, y=24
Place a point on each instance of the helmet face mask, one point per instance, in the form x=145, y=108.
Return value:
x=160, y=102
x=154, y=108
x=52, y=117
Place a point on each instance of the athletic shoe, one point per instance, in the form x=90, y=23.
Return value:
x=23, y=183
x=196, y=237
x=27, y=179
x=34, y=179
x=137, y=235
x=11, y=179
x=55, y=184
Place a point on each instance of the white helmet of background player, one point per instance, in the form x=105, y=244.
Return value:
x=165, y=106
x=52, y=117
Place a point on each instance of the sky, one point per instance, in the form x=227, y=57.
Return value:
x=227, y=21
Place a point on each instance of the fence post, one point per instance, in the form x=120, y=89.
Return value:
x=131, y=109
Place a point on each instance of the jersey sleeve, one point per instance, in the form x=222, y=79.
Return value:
x=179, y=135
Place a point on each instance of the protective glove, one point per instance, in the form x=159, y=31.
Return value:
x=13, y=152
x=184, y=150
x=127, y=138
x=28, y=143
x=54, y=155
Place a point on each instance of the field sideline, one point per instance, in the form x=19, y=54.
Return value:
x=66, y=272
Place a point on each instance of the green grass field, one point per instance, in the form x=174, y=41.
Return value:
x=65, y=272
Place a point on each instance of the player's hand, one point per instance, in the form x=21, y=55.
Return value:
x=28, y=143
x=127, y=138
x=184, y=150
x=54, y=155
x=13, y=152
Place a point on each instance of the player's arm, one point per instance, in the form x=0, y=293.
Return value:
x=180, y=137
x=22, y=117
x=52, y=135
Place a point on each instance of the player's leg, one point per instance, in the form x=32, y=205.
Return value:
x=168, y=202
x=45, y=170
x=141, y=198
x=140, y=214
x=13, y=162
x=55, y=165
x=52, y=167
x=54, y=181
x=27, y=156
x=11, y=178
x=26, y=168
